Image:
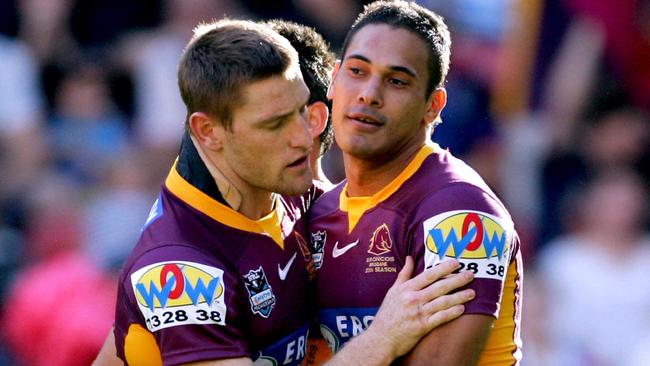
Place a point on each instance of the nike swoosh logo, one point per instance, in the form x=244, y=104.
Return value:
x=282, y=272
x=337, y=252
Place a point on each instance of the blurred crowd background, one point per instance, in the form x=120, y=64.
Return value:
x=548, y=100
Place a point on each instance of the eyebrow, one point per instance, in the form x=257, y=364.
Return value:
x=280, y=117
x=394, y=68
x=274, y=118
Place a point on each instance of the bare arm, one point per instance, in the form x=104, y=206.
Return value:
x=459, y=342
x=410, y=310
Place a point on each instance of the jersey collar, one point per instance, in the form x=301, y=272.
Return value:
x=356, y=207
x=269, y=225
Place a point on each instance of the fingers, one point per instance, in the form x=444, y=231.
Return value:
x=447, y=285
x=446, y=308
x=445, y=316
x=445, y=302
x=406, y=271
x=430, y=275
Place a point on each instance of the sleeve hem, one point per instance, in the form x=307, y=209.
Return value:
x=180, y=358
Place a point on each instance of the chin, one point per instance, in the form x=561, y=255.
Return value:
x=361, y=151
x=295, y=187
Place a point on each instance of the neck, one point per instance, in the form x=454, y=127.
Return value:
x=317, y=169
x=256, y=205
x=252, y=203
x=367, y=176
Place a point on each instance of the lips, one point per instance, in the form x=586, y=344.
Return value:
x=366, y=118
x=299, y=161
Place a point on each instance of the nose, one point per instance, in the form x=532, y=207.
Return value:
x=300, y=134
x=370, y=92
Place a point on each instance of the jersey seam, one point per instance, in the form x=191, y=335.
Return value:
x=517, y=314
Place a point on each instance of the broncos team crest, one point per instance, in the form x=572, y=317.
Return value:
x=318, y=240
x=260, y=292
x=381, y=242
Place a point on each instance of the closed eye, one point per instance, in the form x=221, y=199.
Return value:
x=275, y=124
x=397, y=82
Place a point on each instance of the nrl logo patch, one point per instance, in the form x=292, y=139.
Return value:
x=380, y=243
x=318, y=240
x=260, y=293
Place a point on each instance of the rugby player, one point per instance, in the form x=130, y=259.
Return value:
x=405, y=196
x=221, y=273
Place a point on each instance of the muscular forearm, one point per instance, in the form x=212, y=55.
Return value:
x=457, y=343
x=369, y=348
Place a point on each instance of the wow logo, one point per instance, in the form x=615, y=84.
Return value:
x=166, y=289
x=469, y=236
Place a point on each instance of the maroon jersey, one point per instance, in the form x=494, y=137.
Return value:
x=205, y=282
x=437, y=208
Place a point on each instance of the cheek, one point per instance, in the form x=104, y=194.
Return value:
x=260, y=154
x=412, y=112
x=242, y=153
x=342, y=93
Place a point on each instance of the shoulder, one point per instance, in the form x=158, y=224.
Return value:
x=172, y=235
x=464, y=211
x=178, y=260
x=444, y=183
x=465, y=221
x=328, y=202
x=443, y=170
x=462, y=196
x=176, y=276
x=178, y=292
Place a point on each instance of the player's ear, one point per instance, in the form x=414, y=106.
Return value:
x=207, y=131
x=335, y=71
x=436, y=102
x=317, y=115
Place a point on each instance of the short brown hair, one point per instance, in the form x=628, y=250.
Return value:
x=316, y=63
x=221, y=58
